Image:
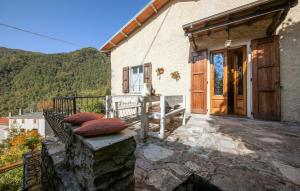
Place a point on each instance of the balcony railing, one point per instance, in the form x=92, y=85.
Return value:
x=124, y=107
x=75, y=104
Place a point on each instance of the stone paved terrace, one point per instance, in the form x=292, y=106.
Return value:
x=232, y=153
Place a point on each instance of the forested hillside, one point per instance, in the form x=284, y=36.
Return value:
x=29, y=77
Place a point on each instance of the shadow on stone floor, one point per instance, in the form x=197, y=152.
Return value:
x=231, y=153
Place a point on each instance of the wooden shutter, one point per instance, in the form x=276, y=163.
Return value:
x=148, y=74
x=266, y=78
x=199, y=82
x=125, y=80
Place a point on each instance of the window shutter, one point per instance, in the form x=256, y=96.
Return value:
x=148, y=74
x=125, y=80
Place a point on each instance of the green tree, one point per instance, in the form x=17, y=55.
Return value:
x=26, y=78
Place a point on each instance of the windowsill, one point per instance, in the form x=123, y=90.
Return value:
x=135, y=93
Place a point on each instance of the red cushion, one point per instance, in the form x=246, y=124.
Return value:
x=79, y=118
x=101, y=127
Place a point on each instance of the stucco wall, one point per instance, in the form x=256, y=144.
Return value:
x=162, y=42
x=289, y=33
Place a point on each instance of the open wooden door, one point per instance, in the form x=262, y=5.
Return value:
x=199, y=82
x=266, y=78
x=238, y=60
x=218, y=79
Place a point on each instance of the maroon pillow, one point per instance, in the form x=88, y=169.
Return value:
x=101, y=127
x=80, y=118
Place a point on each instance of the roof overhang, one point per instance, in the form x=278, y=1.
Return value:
x=136, y=22
x=244, y=15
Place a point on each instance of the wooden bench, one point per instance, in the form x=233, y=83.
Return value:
x=162, y=115
x=123, y=106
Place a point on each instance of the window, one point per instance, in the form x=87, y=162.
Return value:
x=34, y=121
x=136, y=79
x=23, y=121
x=218, y=61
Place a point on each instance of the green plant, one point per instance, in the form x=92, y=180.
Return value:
x=32, y=142
x=175, y=75
x=97, y=107
x=160, y=71
x=26, y=78
x=17, y=144
x=12, y=180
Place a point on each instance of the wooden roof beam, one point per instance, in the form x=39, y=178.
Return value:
x=124, y=34
x=153, y=7
x=276, y=21
x=113, y=44
x=235, y=22
x=137, y=22
x=193, y=42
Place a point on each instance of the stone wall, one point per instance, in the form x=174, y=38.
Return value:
x=99, y=163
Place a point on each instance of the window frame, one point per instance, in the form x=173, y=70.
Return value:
x=131, y=89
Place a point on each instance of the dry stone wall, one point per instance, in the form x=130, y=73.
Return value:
x=100, y=163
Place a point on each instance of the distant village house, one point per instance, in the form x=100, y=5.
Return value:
x=29, y=121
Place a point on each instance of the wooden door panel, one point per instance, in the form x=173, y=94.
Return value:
x=266, y=78
x=199, y=81
x=218, y=79
x=240, y=76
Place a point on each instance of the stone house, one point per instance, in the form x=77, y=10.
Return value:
x=236, y=57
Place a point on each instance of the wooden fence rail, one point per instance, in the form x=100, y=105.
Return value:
x=10, y=167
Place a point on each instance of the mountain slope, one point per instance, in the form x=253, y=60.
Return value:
x=28, y=77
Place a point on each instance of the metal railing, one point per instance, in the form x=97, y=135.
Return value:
x=56, y=122
x=65, y=106
x=73, y=104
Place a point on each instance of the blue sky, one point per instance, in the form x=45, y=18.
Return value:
x=89, y=23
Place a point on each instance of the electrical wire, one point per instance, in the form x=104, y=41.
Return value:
x=41, y=35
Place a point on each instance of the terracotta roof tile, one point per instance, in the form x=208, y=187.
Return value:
x=4, y=120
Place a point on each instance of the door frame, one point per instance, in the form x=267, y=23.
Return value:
x=244, y=96
x=225, y=87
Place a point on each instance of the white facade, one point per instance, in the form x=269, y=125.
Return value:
x=161, y=41
x=29, y=121
x=3, y=132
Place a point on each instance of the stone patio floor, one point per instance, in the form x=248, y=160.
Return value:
x=232, y=153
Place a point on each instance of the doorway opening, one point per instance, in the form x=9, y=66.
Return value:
x=236, y=78
x=229, y=81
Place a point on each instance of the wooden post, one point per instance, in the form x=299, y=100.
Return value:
x=138, y=105
x=116, y=110
x=53, y=101
x=74, y=106
x=106, y=107
x=144, y=118
x=162, y=117
x=184, y=111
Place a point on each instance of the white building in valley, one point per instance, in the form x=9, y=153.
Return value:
x=30, y=121
x=3, y=128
